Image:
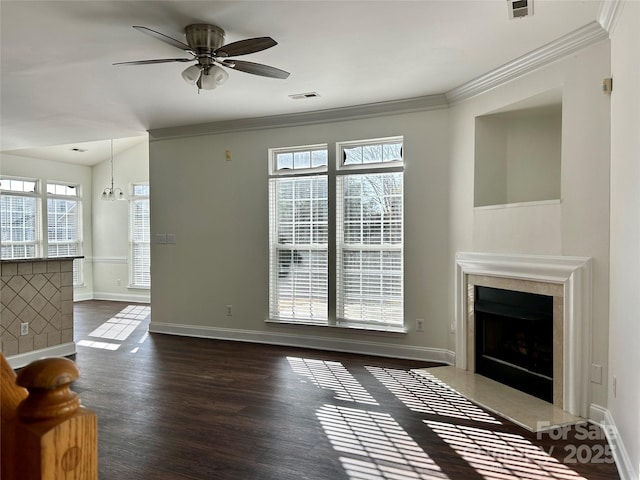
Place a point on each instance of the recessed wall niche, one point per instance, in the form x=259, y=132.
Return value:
x=518, y=152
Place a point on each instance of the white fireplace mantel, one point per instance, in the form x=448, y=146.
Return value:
x=574, y=274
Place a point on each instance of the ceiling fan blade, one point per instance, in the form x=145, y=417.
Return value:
x=164, y=38
x=256, y=68
x=160, y=60
x=243, y=47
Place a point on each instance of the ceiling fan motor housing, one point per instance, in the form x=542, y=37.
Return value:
x=204, y=38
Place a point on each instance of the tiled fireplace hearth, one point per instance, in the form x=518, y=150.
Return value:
x=567, y=280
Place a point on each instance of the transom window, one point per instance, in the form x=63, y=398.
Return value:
x=362, y=260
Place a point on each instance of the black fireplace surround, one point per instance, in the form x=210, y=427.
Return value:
x=514, y=339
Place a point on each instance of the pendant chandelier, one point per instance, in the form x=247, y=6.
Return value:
x=111, y=193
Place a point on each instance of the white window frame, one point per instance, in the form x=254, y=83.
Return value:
x=383, y=306
x=138, y=275
x=297, y=287
x=8, y=190
x=336, y=172
x=69, y=193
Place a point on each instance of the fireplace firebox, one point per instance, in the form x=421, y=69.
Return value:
x=514, y=339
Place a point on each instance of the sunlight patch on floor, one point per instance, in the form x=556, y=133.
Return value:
x=498, y=455
x=118, y=329
x=429, y=395
x=134, y=312
x=115, y=329
x=373, y=446
x=332, y=376
x=98, y=345
x=122, y=324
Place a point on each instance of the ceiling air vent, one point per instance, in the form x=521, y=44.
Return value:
x=300, y=96
x=520, y=8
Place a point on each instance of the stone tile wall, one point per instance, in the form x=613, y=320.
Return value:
x=41, y=294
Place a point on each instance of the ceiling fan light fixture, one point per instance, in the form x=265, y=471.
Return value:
x=213, y=77
x=191, y=74
x=207, y=82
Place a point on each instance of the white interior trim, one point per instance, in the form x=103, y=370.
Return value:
x=23, y=359
x=620, y=454
x=123, y=260
x=391, y=107
x=121, y=297
x=597, y=413
x=561, y=47
x=609, y=10
x=306, y=341
x=574, y=273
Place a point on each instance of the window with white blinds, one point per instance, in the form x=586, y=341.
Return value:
x=64, y=232
x=20, y=232
x=366, y=254
x=139, y=237
x=298, y=234
x=370, y=232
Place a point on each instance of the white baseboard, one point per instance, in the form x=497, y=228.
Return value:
x=22, y=359
x=597, y=413
x=81, y=297
x=121, y=297
x=451, y=357
x=620, y=454
x=306, y=341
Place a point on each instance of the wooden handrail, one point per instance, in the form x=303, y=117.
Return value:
x=46, y=433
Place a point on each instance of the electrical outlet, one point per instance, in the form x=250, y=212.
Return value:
x=229, y=310
x=596, y=374
x=420, y=325
x=24, y=328
x=118, y=282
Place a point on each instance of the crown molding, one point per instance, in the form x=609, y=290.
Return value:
x=582, y=37
x=608, y=14
x=407, y=105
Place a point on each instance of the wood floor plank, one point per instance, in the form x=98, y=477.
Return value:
x=173, y=407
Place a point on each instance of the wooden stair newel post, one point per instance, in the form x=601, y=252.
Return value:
x=56, y=437
x=10, y=397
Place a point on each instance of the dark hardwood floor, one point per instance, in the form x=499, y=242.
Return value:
x=174, y=407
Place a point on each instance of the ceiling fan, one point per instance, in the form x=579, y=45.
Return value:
x=205, y=43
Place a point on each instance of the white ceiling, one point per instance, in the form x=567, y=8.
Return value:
x=59, y=87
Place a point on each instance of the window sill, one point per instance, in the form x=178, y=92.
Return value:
x=342, y=325
x=137, y=287
x=533, y=203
